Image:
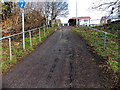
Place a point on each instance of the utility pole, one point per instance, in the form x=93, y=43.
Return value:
x=76, y=15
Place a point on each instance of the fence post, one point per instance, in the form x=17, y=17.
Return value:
x=105, y=39
x=10, y=47
x=39, y=35
x=68, y=24
x=44, y=31
x=48, y=28
x=30, y=38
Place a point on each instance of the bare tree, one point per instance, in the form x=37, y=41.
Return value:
x=112, y=5
x=55, y=9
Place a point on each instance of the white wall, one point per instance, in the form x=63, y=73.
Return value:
x=82, y=22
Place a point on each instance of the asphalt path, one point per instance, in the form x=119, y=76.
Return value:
x=62, y=61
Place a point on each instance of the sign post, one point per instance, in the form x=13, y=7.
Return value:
x=22, y=4
x=23, y=28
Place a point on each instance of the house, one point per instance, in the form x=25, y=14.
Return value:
x=114, y=19
x=103, y=20
x=108, y=19
x=82, y=21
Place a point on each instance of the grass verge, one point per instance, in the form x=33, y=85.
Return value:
x=110, y=55
x=96, y=40
x=17, y=49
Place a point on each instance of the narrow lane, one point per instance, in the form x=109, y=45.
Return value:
x=62, y=61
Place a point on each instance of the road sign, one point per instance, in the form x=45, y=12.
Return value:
x=21, y=3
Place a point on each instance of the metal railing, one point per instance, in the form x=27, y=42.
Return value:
x=105, y=36
x=30, y=35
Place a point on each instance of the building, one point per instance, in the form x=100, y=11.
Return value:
x=106, y=19
x=72, y=22
x=103, y=20
x=82, y=21
x=55, y=22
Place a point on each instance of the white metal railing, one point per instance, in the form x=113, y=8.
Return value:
x=105, y=36
x=30, y=35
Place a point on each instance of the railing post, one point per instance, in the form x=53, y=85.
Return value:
x=105, y=39
x=10, y=47
x=30, y=38
x=48, y=28
x=58, y=24
x=39, y=35
x=44, y=31
x=68, y=24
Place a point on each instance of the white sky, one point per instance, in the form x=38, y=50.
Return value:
x=83, y=10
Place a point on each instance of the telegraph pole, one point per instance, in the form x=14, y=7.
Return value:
x=76, y=15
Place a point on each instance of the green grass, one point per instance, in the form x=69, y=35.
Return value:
x=17, y=49
x=111, y=27
x=95, y=39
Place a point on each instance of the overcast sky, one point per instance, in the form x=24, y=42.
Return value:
x=83, y=10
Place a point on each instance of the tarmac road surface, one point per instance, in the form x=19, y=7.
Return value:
x=62, y=61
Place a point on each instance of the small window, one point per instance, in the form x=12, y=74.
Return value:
x=85, y=20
